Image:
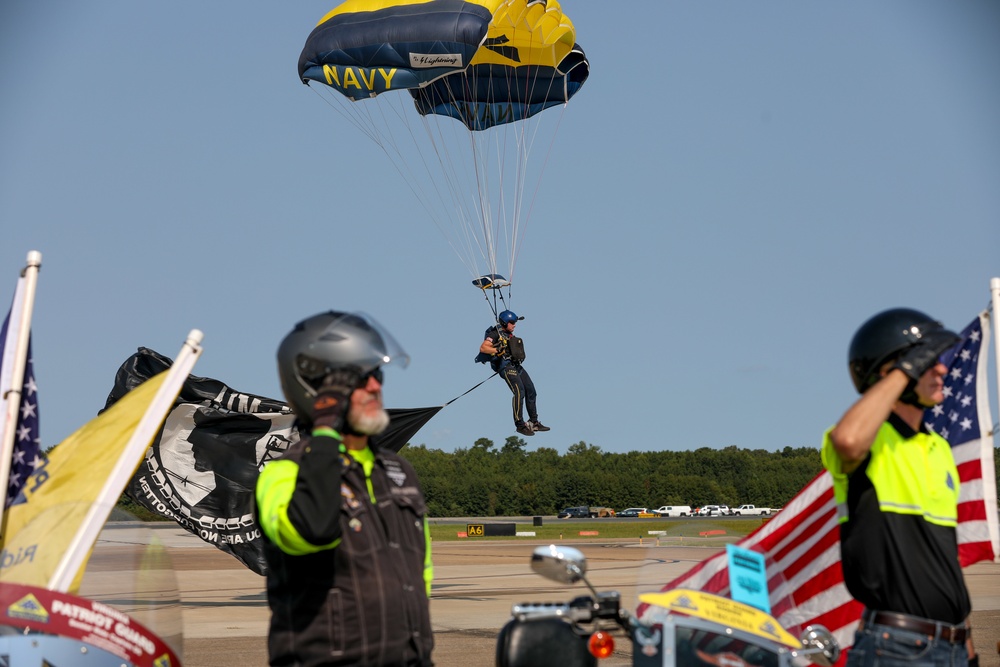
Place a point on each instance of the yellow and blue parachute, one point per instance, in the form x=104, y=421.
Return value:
x=404, y=71
x=483, y=62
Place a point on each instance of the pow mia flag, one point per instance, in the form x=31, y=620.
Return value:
x=202, y=468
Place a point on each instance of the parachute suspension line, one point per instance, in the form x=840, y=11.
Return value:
x=481, y=171
x=527, y=145
x=493, y=305
x=360, y=115
x=448, y=198
x=501, y=152
x=403, y=160
x=379, y=132
x=541, y=171
x=330, y=97
x=523, y=150
x=497, y=293
x=376, y=120
x=505, y=307
x=475, y=212
x=509, y=228
x=517, y=131
x=466, y=211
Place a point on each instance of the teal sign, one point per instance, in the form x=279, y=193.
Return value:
x=748, y=577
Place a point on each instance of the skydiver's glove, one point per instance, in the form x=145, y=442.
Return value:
x=922, y=356
x=334, y=398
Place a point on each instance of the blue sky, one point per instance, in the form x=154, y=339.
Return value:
x=736, y=188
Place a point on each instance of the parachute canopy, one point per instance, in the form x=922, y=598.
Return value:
x=404, y=71
x=491, y=281
x=482, y=62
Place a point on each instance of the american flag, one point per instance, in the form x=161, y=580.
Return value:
x=26, y=454
x=963, y=419
x=801, y=545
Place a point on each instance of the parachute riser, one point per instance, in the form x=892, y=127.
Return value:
x=496, y=283
x=493, y=304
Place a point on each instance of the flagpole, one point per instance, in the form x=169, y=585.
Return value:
x=12, y=394
x=995, y=317
x=79, y=548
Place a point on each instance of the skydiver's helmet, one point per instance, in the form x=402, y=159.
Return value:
x=330, y=341
x=884, y=337
x=508, y=316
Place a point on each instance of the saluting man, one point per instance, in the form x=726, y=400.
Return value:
x=347, y=548
x=896, y=487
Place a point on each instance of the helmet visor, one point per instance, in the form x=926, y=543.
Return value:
x=360, y=341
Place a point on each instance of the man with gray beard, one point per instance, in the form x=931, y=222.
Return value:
x=347, y=546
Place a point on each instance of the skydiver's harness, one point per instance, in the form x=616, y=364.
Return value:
x=510, y=350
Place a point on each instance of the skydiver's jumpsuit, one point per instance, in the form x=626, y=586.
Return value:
x=348, y=557
x=517, y=379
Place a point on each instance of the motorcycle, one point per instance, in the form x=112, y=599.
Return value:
x=681, y=627
x=125, y=613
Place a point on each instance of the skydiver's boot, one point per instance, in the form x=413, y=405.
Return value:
x=538, y=426
x=524, y=429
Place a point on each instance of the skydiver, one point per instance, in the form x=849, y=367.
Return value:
x=505, y=352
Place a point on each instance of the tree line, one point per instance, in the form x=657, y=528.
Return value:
x=484, y=480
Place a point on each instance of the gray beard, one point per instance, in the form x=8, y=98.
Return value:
x=372, y=425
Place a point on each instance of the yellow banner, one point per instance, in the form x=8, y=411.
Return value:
x=42, y=524
x=724, y=611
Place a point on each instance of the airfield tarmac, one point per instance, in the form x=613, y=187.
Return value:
x=224, y=606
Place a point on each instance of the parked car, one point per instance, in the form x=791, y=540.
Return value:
x=601, y=512
x=674, y=510
x=743, y=510
x=633, y=512
x=574, y=513
x=714, y=510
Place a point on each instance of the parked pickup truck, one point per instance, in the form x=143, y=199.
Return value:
x=601, y=512
x=584, y=512
x=674, y=510
x=747, y=510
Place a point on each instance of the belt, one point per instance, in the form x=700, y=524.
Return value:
x=953, y=634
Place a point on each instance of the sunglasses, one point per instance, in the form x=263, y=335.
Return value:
x=314, y=370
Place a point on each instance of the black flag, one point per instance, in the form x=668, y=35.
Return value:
x=202, y=467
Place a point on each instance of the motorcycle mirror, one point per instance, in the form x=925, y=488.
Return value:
x=558, y=563
x=819, y=645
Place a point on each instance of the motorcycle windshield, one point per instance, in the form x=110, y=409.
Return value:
x=712, y=646
x=126, y=611
x=700, y=628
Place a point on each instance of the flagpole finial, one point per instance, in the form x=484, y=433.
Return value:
x=34, y=258
x=194, y=337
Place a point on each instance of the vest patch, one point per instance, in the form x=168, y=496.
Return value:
x=395, y=472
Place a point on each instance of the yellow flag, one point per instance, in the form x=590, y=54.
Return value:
x=41, y=526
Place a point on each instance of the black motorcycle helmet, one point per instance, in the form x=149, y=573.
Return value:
x=884, y=337
x=326, y=342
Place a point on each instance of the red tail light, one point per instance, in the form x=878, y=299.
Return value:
x=601, y=644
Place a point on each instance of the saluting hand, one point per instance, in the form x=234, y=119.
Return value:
x=334, y=397
x=924, y=355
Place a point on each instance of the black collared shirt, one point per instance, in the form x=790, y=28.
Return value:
x=897, y=555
